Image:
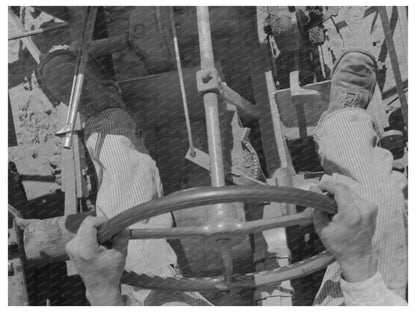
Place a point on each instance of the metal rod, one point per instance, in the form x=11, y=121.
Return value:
x=227, y=264
x=394, y=61
x=402, y=10
x=211, y=110
x=75, y=93
x=182, y=85
x=204, y=35
x=38, y=31
x=77, y=90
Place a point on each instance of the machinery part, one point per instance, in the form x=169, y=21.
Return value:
x=28, y=42
x=244, y=167
x=225, y=230
x=18, y=293
x=245, y=109
x=236, y=176
x=293, y=271
x=87, y=32
x=161, y=110
x=38, y=31
x=244, y=158
x=229, y=231
x=100, y=47
x=289, y=32
x=394, y=61
x=211, y=109
x=182, y=84
x=148, y=25
x=208, y=81
x=246, y=162
x=12, y=138
x=393, y=141
x=299, y=96
x=45, y=240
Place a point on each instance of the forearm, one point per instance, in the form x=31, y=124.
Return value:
x=358, y=268
x=362, y=283
x=104, y=296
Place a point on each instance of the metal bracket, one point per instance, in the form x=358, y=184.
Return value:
x=208, y=80
x=245, y=108
x=276, y=253
x=62, y=132
x=202, y=159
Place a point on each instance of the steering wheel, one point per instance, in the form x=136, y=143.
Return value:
x=223, y=231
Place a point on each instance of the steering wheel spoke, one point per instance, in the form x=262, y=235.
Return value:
x=238, y=228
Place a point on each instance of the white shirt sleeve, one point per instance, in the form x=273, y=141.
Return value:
x=371, y=292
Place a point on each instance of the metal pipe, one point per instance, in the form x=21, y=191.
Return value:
x=38, y=31
x=211, y=110
x=204, y=36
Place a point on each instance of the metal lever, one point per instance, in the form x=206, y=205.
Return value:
x=87, y=31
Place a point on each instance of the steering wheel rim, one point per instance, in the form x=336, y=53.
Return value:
x=213, y=195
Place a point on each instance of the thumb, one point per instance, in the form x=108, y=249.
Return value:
x=320, y=220
x=121, y=241
x=315, y=189
x=337, y=178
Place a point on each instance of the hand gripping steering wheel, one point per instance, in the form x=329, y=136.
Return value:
x=223, y=231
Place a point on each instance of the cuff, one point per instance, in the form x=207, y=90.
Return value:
x=371, y=292
x=362, y=286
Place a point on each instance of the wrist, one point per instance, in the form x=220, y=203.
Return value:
x=359, y=268
x=105, y=295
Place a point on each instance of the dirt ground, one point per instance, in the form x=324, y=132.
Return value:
x=38, y=151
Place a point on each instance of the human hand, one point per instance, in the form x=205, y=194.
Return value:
x=100, y=268
x=348, y=235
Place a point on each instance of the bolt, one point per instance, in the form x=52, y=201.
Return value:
x=206, y=78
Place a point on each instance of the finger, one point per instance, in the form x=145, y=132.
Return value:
x=315, y=189
x=342, y=193
x=87, y=232
x=71, y=247
x=320, y=220
x=121, y=241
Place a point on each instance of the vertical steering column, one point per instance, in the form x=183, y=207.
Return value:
x=206, y=78
x=208, y=82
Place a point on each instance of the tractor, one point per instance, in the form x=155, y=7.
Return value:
x=230, y=127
